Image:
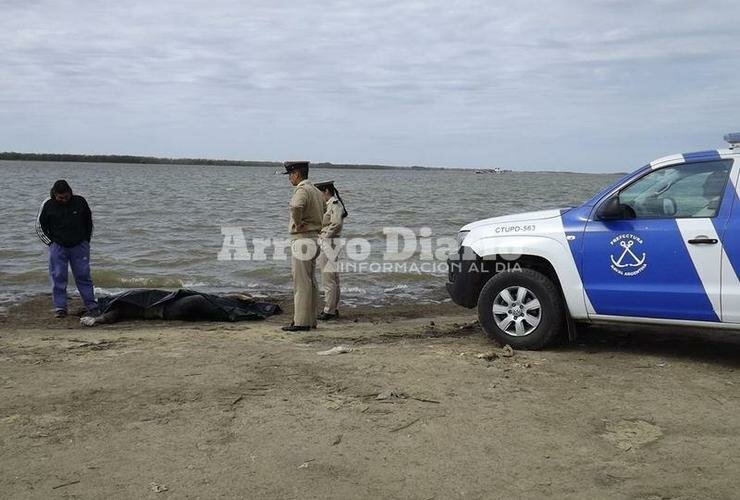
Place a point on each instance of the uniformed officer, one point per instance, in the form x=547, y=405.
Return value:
x=306, y=212
x=331, y=228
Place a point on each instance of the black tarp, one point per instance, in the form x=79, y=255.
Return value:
x=183, y=305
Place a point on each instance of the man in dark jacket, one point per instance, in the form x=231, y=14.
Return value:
x=65, y=224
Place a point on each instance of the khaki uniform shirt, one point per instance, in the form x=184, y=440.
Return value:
x=331, y=225
x=306, y=210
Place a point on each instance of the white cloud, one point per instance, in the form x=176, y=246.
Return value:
x=466, y=83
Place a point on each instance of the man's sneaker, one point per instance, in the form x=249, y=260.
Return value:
x=325, y=316
x=60, y=313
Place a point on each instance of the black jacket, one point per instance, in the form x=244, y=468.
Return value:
x=67, y=224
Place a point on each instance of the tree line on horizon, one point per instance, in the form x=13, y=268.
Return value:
x=151, y=160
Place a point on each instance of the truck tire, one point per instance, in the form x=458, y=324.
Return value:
x=522, y=308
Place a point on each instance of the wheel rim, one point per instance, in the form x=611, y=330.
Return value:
x=517, y=311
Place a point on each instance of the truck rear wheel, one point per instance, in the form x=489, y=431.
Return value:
x=521, y=308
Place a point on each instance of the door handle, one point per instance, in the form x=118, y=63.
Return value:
x=703, y=240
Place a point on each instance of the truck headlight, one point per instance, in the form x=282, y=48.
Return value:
x=460, y=237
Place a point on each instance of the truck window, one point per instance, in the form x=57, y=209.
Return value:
x=686, y=190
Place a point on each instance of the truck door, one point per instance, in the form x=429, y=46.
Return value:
x=660, y=257
x=731, y=259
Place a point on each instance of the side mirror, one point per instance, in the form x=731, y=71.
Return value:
x=611, y=209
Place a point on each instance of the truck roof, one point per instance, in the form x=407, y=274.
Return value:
x=708, y=155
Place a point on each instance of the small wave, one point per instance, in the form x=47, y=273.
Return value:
x=113, y=279
x=33, y=277
x=397, y=279
x=263, y=272
x=102, y=291
x=101, y=277
x=12, y=297
x=195, y=284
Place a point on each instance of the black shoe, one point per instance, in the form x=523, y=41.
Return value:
x=325, y=316
x=296, y=328
x=60, y=313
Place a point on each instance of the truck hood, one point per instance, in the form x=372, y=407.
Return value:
x=523, y=217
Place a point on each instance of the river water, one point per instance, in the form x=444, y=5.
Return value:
x=161, y=225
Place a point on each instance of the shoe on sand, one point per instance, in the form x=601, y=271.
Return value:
x=296, y=328
x=325, y=316
x=60, y=313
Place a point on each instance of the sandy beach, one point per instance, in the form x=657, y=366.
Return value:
x=424, y=406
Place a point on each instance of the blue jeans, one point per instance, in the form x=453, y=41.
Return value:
x=78, y=258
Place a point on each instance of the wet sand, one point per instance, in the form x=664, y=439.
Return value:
x=424, y=406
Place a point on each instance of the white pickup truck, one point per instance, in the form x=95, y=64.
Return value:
x=659, y=246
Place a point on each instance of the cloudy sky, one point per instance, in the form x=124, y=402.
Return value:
x=581, y=85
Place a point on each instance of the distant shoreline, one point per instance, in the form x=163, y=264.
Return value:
x=152, y=160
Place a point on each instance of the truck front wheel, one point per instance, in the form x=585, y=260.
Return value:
x=522, y=308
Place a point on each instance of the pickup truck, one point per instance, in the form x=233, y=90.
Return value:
x=660, y=246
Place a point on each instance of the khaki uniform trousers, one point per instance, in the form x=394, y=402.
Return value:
x=329, y=277
x=305, y=289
